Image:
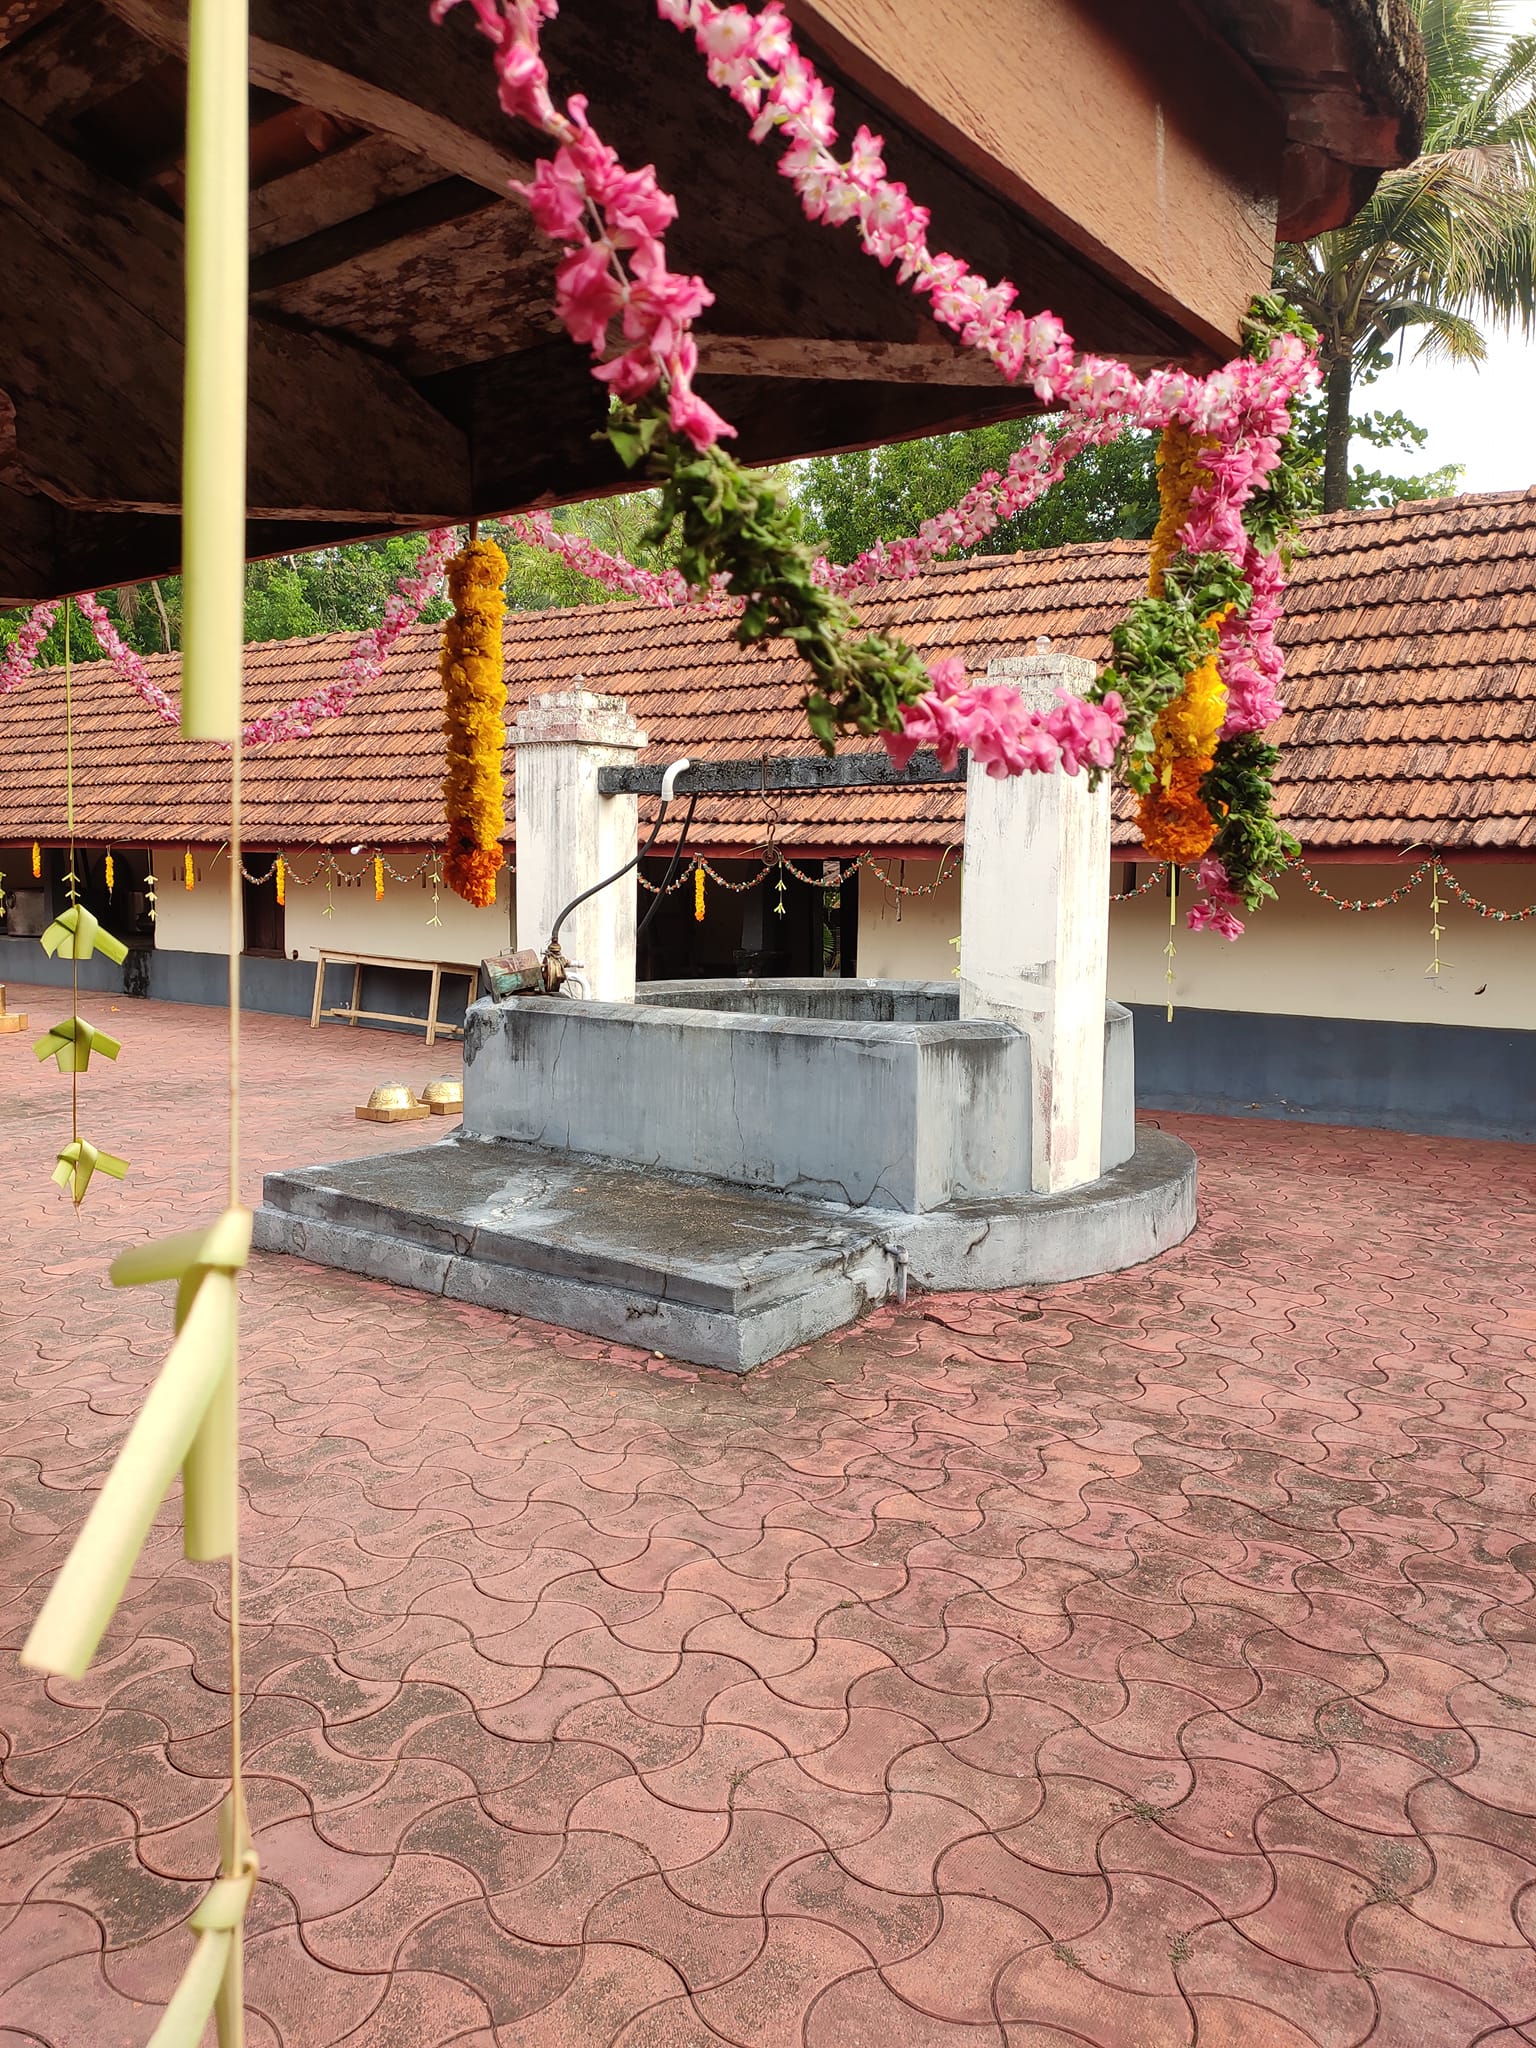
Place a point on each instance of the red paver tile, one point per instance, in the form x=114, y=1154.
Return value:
x=766, y=2004
x=1138, y=1661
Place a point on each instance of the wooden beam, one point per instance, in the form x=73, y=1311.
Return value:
x=95, y=374
x=866, y=362
x=51, y=550
x=391, y=220
x=777, y=418
x=17, y=16
x=1132, y=132
x=383, y=65
x=72, y=63
x=367, y=173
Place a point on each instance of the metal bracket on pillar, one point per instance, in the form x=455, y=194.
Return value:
x=790, y=772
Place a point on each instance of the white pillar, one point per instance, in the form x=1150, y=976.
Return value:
x=568, y=836
x=1034, y=929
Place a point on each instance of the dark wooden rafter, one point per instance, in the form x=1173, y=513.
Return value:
x=380, y=65
x=344, y=186
x=1119, y=163
x=71, y=61
x=68, y=375
x=362, y=233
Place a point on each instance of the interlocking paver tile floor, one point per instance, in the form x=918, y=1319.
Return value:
x=1149, y=1663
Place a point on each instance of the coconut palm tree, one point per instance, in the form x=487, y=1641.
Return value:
x=1447, y=245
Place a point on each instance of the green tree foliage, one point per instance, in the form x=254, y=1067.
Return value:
x=848, y=502
x=539, y=580
x=1447, y=245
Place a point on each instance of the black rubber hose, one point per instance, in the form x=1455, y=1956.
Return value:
x=617, y=875
x=672, y=866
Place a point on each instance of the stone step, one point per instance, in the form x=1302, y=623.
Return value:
x=695, y=1270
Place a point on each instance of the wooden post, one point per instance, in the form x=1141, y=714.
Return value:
x=213, y=457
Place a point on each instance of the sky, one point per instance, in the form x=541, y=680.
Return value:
x=1483, y=418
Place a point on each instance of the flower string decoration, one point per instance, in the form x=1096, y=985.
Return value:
x=17, y=660
x=474, y=701
x=739, y=538
x=364, y=662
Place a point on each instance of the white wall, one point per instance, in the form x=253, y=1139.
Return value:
x=398, y=928
x=1299, y=957
x=195, y=920
x=909, y=938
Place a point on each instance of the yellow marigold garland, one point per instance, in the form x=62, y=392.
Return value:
x=37, y=861
x=111, y=875
x=474, y=699
x=698, y=895
x=1179, y=469
x=282, y=880
x=1176, y=823
x=188, y=877
x=378, y=878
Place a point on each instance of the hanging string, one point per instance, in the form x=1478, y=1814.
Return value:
x=1173, y=927
x=239, y=1820
x=1436, y=928
x=72, y=885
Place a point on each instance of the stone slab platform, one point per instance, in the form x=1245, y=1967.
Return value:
x=689, y=1268
x=694, y=1268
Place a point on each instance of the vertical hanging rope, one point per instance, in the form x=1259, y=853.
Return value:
x=74, y=897
x=1173, y=927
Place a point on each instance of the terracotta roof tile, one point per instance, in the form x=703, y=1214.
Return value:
x=1411, y=639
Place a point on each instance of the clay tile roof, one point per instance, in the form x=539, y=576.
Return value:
x=1411, y=639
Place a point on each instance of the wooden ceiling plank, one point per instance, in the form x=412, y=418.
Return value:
x=18, y=16
x=67, y=358
x=72, y=62
x=776, y=418
x=391, y=220
x=1133, y=133
x=365, y=174
x=384, y=66
x=861, y=362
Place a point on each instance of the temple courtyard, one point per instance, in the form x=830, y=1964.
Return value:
x=1147, y=1662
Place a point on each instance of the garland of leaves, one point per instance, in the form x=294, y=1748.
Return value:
x=1192, y=635
x=737, y=527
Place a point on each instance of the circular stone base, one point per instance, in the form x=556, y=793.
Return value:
x=1125, y=1217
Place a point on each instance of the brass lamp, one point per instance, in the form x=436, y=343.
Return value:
x=392, y=1103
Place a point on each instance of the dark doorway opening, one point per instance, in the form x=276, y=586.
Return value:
x=263, y=912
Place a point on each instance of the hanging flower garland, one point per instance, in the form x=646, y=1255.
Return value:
x=475, y=699
x=736, y=531
x=611, y=221
x=17, y=660
x=363, y=664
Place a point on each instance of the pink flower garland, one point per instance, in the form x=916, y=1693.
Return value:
x=126, y=661
x=364, y=663
x=665, y=587
x=16, y=662
x=612, y=222
x=1218, y=913
x=368, y=654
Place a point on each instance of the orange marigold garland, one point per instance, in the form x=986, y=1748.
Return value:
x=474, y=699
x=1176, y=823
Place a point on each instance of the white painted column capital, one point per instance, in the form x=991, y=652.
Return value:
x=569, y=836
x=1034, y=928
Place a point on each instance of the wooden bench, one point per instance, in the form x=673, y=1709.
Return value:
x=358, y=961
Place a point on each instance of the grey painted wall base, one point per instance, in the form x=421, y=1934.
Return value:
x=694, y=1268
x=1445, y=1080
